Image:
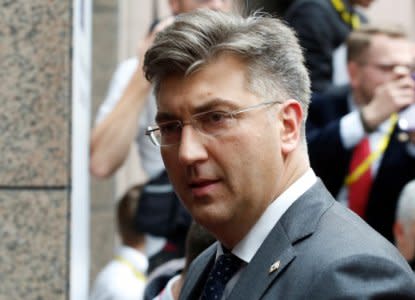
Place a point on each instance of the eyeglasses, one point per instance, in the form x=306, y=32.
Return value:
x=211, y=123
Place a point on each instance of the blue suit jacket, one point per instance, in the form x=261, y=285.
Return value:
x=330, y=160
x=325, y=252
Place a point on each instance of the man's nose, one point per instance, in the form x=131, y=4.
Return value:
x=191, y=148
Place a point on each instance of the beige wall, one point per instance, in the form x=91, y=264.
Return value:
x=394, y=11
x=135, y=19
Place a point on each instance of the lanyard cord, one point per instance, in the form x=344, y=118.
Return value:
x=380, y=149
x=350, y=18
x=136, y=272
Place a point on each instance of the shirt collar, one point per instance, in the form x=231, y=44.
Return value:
x=135, y=257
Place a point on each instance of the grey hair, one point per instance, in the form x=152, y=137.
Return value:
x=274, y=59
x=405, y=212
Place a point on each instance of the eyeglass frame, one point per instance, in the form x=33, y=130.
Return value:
x=153, y=129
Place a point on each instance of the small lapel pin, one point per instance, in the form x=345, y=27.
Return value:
x=403, y=137
x=274, y=266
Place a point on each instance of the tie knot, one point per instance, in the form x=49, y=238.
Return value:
x=229, y=262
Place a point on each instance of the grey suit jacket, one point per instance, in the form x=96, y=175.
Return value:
x=325, y=252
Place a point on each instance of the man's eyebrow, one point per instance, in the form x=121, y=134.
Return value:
x=213, y=104
x=162, y=117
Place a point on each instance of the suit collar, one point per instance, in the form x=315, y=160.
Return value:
x=303, y=217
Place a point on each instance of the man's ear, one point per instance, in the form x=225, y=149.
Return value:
x=291, y=116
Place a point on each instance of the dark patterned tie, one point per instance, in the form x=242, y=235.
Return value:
x=225, y=267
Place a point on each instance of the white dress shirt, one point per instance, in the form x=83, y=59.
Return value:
x=120, y=279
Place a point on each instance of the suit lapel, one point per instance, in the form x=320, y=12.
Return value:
x=272, y=258
x=278, y=249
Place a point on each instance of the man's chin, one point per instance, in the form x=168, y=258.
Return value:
x=210, y=219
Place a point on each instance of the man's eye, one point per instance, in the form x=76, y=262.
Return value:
x=215, y=117
x=169, y=128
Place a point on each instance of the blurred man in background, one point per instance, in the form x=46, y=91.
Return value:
x=354, y=142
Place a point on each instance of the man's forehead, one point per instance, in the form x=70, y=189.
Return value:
x=382, y=40
x=220, y=84
x=197, y=91
x=223, y=67
x=385, y=45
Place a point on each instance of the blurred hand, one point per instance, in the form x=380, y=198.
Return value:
x=147, y=42
x=389, y=98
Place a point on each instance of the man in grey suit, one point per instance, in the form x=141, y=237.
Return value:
x=232, y=97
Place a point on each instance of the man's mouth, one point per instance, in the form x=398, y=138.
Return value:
x=203, y=187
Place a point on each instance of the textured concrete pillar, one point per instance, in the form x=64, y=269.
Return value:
x=35, y=91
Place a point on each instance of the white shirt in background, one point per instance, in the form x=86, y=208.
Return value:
x=123, y=278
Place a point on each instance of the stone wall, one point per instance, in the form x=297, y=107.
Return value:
x=35, y=89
